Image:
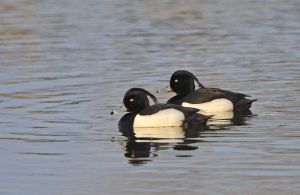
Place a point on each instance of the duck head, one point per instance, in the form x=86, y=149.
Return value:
x=182, y=82
x=136, y=99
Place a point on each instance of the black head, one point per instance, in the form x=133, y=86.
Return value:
x=135, y=99
x=182, y=82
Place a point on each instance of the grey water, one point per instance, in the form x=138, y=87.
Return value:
x=65, y=65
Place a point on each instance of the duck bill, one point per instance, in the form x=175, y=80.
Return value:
x=166, y=89
x=119, y=110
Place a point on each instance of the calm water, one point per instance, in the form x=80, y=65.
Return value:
x=65, y=65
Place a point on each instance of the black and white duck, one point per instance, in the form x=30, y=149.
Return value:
x=208, y=100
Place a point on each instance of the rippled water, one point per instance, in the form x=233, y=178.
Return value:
x=65, y=65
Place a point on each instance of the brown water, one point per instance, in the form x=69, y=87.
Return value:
x=65, y=65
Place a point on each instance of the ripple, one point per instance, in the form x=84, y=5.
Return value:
x=41, y=153
x=32, y=140
x=65, y=65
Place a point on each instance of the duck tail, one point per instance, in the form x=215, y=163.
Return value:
x=197, y=120
x=244, y=104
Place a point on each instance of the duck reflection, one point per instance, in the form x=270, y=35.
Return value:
x=139, y=153
x=229, y=118
x=159, y=134
x=143, y=144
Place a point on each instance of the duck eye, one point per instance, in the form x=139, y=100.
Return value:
x=176, y=80
x=131, y=99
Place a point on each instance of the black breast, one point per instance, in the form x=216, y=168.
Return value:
x=126, y=124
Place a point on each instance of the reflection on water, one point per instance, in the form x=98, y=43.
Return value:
x=171, y=134
x=64, y=65
x=230, y=118
x=143, y=144
x=140, y=152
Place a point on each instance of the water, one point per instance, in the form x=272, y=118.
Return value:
x=65, y=65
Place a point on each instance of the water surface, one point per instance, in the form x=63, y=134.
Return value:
x=65, y=65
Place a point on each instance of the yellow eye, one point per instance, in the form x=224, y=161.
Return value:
x=176, y=80
x=131, y=99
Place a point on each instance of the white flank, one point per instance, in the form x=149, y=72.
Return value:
x=164, y=118
x=212, y=107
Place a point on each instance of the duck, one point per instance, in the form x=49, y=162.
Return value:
x=207, y=100
x=143, y=115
